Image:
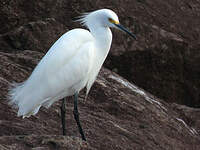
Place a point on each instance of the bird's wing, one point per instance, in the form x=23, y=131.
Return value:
x=65, y=49
x=63, y=68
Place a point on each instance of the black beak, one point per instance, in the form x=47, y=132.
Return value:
x=125, y=30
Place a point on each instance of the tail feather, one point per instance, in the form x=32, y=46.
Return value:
x=21, y=98
x=14, y=93
x=33, y=112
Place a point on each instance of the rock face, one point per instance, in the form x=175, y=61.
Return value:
x=166, y=59
x=117, y=115
x=44, y=142
x=170, y=71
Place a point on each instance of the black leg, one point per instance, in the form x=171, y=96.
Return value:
x=63, y=111
x=76, y=116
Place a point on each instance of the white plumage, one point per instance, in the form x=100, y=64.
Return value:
x=71, y=64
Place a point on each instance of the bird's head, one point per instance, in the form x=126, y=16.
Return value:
x=103, y=18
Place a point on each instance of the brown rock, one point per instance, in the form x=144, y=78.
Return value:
x=170, y=71
x=116, y=115
x=34, y=35
x=42, y=142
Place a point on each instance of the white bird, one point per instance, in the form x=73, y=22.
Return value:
x=72, y=63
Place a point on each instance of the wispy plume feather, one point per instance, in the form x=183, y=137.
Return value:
x=83, y=19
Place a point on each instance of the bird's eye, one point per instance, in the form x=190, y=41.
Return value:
x=113, y=21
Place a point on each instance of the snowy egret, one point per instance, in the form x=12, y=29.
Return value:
x=71, y=64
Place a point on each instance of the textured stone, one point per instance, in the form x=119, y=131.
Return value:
x=116, y=115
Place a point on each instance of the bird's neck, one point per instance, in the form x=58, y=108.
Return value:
x=103, y=39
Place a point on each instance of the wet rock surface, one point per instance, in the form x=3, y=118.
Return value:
x=44, y=142
x=116, y=115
